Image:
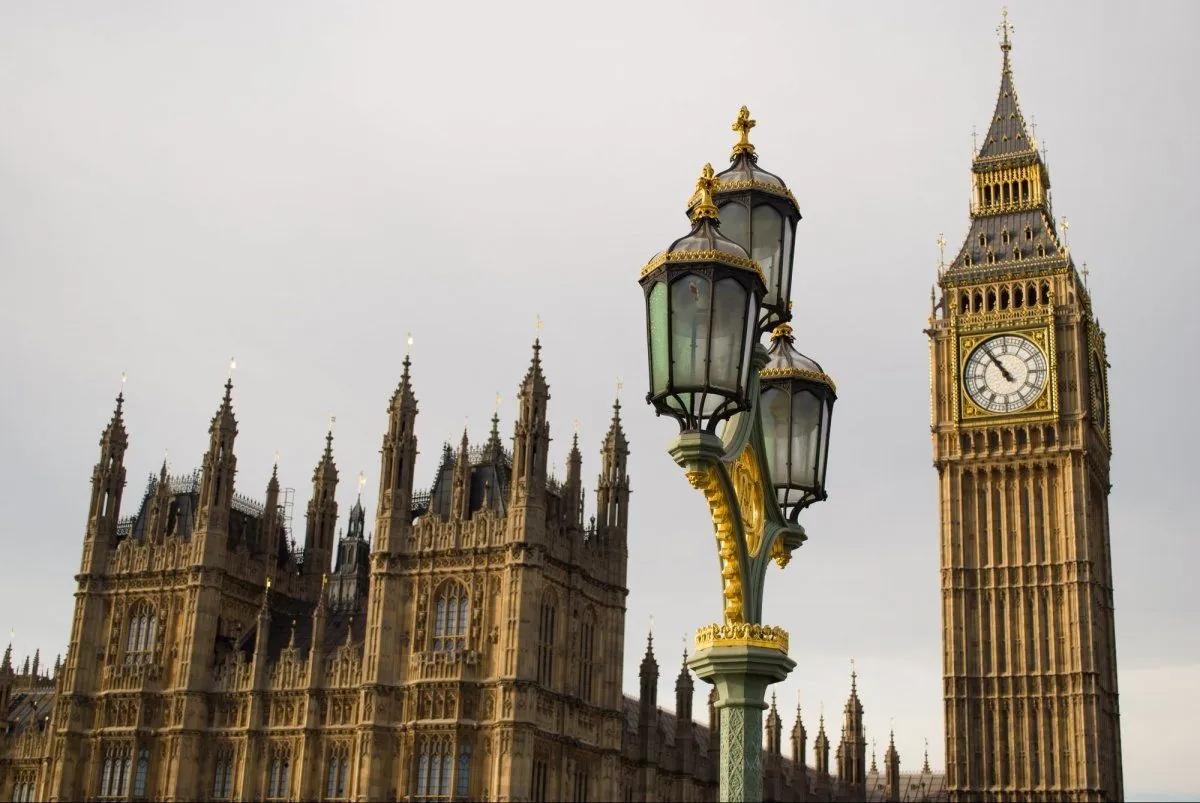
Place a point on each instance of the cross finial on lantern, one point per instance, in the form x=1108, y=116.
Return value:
x=742, y=125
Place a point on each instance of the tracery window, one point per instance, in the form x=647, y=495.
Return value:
x=279, y=777
x=223, y=774
x=141, y=634
x=537, y=790
x=435, y=770
x=587, y=638
x=114, y=777
x=545, y=649
x=581, y=786
x=336, y=772
x=451, y=615
x=24, y=787
x=141, y=773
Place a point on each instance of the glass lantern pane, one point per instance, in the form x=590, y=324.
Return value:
x=690, y=308
x=735, y=223
x=659, y=351
x=787, y=263
x=776, y=407
x=765, y=229
x=729, y=304
x=826, y=415
x=806, y=420
x=750, y=338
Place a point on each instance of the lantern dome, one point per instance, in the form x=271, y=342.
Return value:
x=785, y=362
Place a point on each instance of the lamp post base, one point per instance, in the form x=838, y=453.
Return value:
x=741, y=675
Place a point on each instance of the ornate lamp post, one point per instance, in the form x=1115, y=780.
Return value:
x=754, y=425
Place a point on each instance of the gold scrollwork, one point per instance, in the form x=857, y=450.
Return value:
x=742, y=634
x=707, y=481
x=747, y=485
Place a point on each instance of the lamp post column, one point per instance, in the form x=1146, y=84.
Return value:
x=741, y=674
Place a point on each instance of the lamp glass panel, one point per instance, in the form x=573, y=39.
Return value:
x=691, y=300
x=735, y=223
x=776, y=407
x=729, y=304
x=826, y=416
x=787, y=265
x=766, y=225
x=749, y=339
x=806, y=420
x=660, y=355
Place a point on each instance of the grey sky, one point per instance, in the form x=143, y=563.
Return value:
x=300, y=184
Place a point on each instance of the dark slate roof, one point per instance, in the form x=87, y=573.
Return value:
x=1008, y=134
x=29, y=706
x=992, y=227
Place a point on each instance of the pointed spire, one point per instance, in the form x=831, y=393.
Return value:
x=1008, y=134
x=57, y=665
x=37, y=660
x=874, y=766
x=925, y=765
x=25, y=668
x=494, y=448
x=6, y=666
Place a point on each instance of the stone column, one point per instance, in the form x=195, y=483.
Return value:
x=741, y=675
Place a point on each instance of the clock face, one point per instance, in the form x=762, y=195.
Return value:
x=1005, y=374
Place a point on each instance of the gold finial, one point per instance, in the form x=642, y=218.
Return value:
x=232, y=368
x=620, y=385
x=705, y=208
x=332, y=423
x=408, y=343
x=276, y=458
x=742, y=125
x=499, y=398
x=362, y=482
x=783, y=330
x=941, y=244
x=1004, y=30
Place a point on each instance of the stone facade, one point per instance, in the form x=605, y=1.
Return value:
x=1022, y=446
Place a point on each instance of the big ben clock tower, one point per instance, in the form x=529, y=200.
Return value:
x=1021, y=443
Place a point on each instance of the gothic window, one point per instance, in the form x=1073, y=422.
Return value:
x=141, y=633
x=967, y=260
x=991, y=300
x=1041, y=250
x=1004, y=236
x=545, y=650
x=987, y=196
x=141, y=773
x=1045, y=292
x=1019, y=297
x=581, y=786
x=450, y=618
x=434, y=768
x=1028, y=234
x=1032, y=295
x=114, y=779
x=991, y=257
x=537, y=789
x=982, y=240
x=587, y=638
x=964, y=302
x=462, y=783
x=978, y=306
x=279, y=776
x=335, y=774
x=1016, y=253
x=1025, y=189
x=1004, y=298
x=24, y=786
x=223, y=775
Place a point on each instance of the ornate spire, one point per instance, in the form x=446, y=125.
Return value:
x=742, y=126
x=925, y=766
x=705, y=209
x=6, y=666
x=1008, y=135
x=322, y=512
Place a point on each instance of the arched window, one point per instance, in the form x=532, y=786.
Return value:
x=982, y=240
x=451, y=614
x=336, y=772
x=987, y=195
x=1045, y=292
x=141, y=773
x=223, y=774
x=991, y=300
x=978, y=301
x=1041, y=250
x=587, y=638
x=435, y=765
x=545, y=650
x=141, y=634
x=114, y=779
x=1032, y=295
x=964, y=303
x=1028, y=234
x=1004, y=298
x=279, y=776
x=1004, y=236
x=1018, y=297
x=462, y=783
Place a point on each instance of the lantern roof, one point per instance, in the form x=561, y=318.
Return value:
x=705, y=243
x=785, y=362
x=744, y=172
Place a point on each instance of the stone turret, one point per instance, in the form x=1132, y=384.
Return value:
x=322, y=517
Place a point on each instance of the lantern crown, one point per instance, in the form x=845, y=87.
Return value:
x=785, y=362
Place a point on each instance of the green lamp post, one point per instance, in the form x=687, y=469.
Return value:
x=754, y=424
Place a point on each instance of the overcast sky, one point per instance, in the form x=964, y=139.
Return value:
x=300, y=185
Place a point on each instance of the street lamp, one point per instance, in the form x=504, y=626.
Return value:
x=754, y=425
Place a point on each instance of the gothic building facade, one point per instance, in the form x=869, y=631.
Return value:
x=1021, y=443
x=472, y=649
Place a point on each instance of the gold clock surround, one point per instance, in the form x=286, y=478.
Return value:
x=1043, y=407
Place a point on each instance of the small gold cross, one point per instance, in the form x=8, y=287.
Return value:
x=742, y=125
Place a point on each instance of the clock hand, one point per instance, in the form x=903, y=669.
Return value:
x=1003, y=371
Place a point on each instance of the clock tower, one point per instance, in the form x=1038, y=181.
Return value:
x=1021, y=444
